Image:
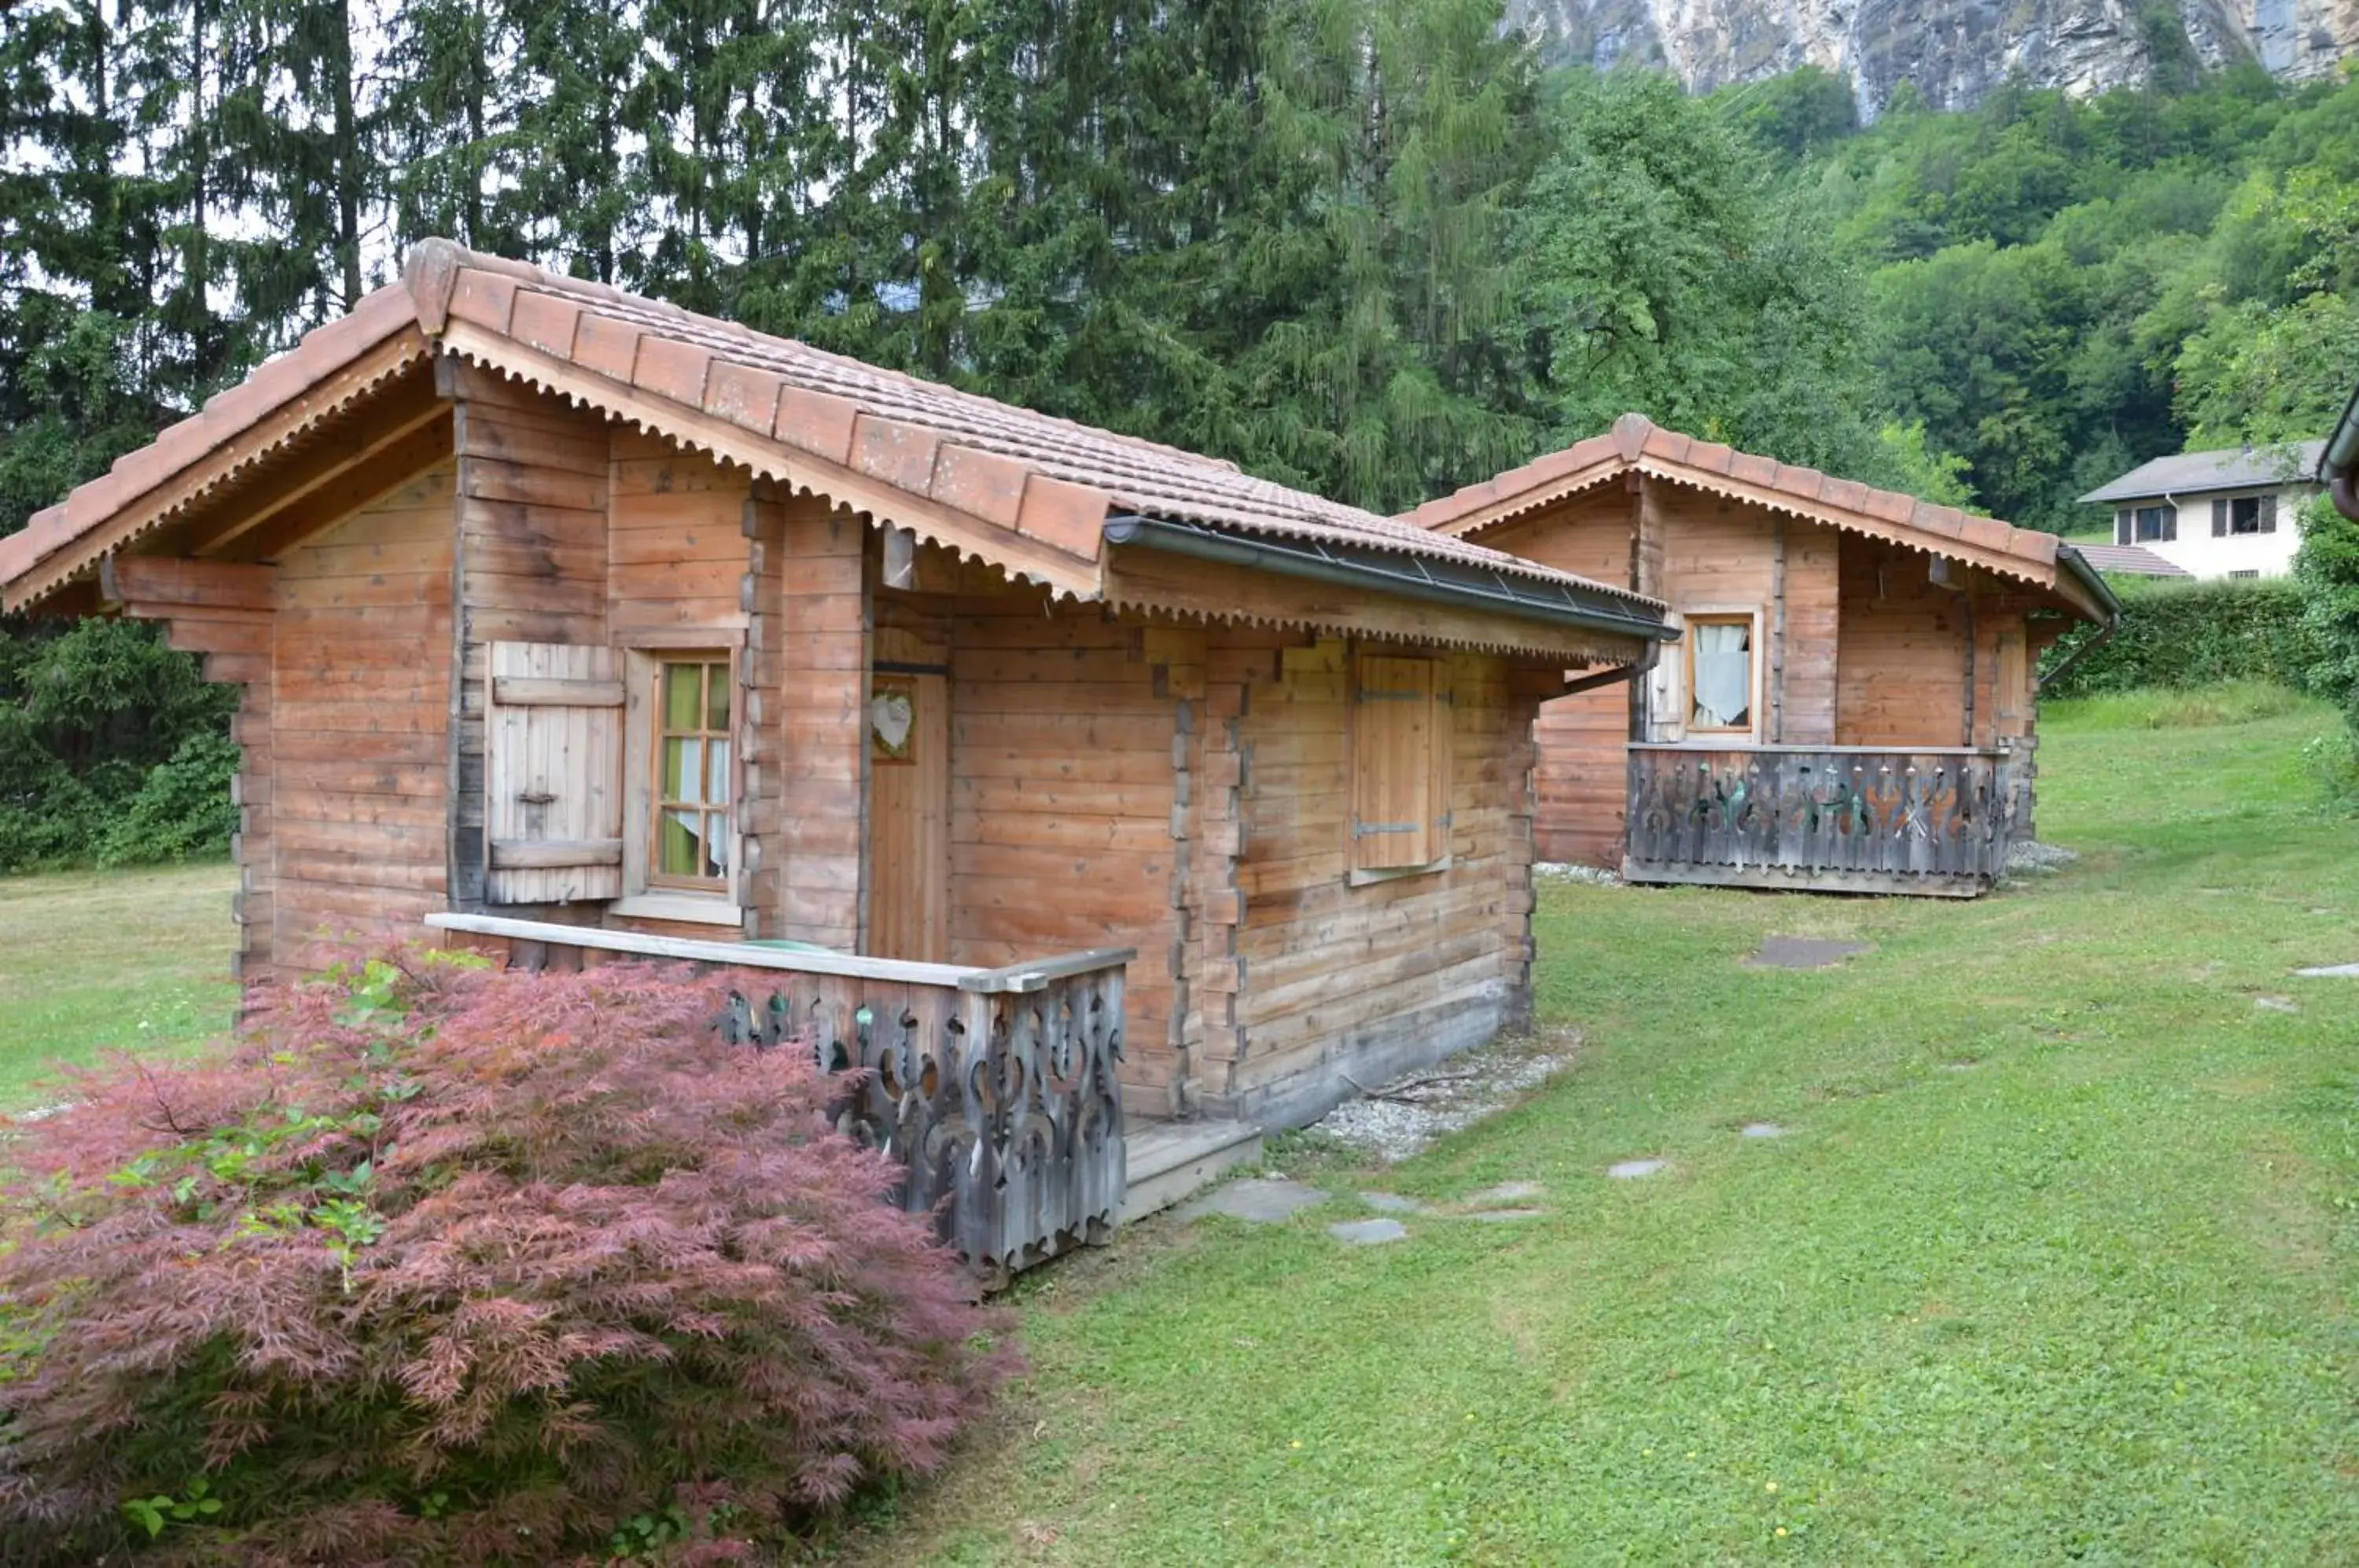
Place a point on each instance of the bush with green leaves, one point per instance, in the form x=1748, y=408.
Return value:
x=113, y=747
x=2177, y=634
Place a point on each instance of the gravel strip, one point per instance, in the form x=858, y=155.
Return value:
x=2032, y=858
x=1559, y=871
x=1443, y=1098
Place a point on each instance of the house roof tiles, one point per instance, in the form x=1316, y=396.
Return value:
x=2196, y=473
x=1048, y=478
x=1637, y=444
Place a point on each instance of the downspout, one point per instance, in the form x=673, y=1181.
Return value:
x=2338, y=462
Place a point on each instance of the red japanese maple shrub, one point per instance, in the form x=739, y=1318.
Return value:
x=446, y=1266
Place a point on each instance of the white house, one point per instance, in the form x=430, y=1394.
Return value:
x=2216, y=514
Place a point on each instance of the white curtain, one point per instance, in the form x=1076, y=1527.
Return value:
x=1724, y=675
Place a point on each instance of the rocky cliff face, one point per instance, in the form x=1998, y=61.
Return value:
x=1953, y=50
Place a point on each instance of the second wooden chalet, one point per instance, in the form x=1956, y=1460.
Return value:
x=575, y=626
x=1851, y=703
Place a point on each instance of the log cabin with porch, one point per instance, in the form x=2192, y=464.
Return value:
x=1050, y=775
x=1852, y=705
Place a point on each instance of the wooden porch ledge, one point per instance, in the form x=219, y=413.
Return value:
x=1789, y=747
x=1035, y=975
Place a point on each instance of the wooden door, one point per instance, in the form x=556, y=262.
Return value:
x=909, y=813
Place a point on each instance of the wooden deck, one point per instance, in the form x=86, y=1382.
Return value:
x=1000, y=1088
x=1927, y=820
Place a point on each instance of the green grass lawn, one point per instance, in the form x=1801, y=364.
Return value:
x=2056, y=1264
x=95, y=960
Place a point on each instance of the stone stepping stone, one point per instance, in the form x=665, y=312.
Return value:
x=1260, y=1200
x=2331, y=971
x=1802, y=953
x=1392, y=1203
x=1367, y=1232
x=1508, y=1193
x=1502, y=1216
x=1956, y=1066
x=2276, y=1004
x=1632, y=1170
x=1761, y=1129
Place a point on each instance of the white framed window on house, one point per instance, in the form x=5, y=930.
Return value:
x=681, y=826
x=1401, y=738
x=1721, y=671
x=2145, y=525
x=2234, y=515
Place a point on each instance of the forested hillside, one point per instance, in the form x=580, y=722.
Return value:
x=1371, y=250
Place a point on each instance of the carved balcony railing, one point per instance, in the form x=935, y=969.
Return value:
x=1000, y=1088
x=1927, y=820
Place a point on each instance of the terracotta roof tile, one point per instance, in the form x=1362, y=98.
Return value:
x=820, y=423
x=609, y=347
x=744, y=395
x=545, y=321
x=1946, y=522
x=1055, y=480
x=984, y=483
x=1060, y=513
x=900, y=454
x=1636, y=443
x=1890, y=506
x=672, y=368
x=1129, y=474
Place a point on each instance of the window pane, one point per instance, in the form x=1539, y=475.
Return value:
x=683, y=771
x=682, y=853
x=717, y=789
x=683, y=696
x=716, y=699
x=1724, y=675
x=716, y=845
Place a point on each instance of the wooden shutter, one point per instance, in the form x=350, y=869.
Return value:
x=1400, y=764
x=2219, y=520
x=2268, y=514
x=553, y=774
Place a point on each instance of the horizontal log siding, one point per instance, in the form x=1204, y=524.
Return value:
x=1338, y=982
x=1582, y=778
x=1813, y=584
x=1063, y=785
x=1900, y=675
x=345, y=849
x=532, y=490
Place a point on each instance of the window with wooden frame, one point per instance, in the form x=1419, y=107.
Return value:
x=1400, y=744
x=689, y=805
x=1720, y=674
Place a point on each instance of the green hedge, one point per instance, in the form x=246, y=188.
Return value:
x=2194, y=634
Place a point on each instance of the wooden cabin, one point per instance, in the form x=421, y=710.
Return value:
x=1052, y=774
x=1851, y=702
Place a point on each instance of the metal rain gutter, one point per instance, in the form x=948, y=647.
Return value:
x=2070, y=558
x=2338, y=463
x=1462, y=585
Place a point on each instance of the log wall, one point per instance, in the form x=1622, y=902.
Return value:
x=1901, y=680
x=531, y=513
x=347, y=842
x=1366, y=981
x=1062, y=786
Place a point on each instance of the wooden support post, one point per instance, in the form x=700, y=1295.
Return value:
x=1776, y=630
x=821, y=729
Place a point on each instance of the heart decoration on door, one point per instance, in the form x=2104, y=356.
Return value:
x=892, y=715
